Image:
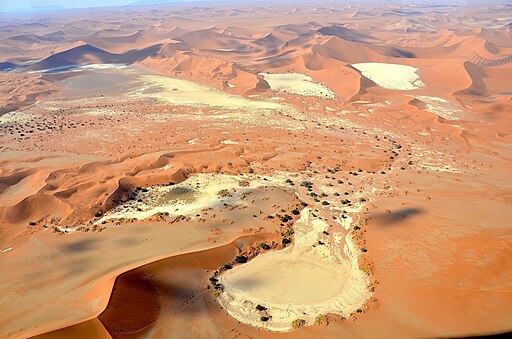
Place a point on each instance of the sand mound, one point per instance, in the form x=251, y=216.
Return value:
x=88, y=54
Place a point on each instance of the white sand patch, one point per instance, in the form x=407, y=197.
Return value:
x=15, y=117
x=192, y=141
x=230, y=85
x=102, y=112
x=80, y=68
x=302, y=281
x=229, y=142
x=296, y=83
x=186, y=198
x=329, y=109
x=391, y=76
x=442, y=107
x=183, y=92
x=434, y=161
x=6, y=250
x=97, y=67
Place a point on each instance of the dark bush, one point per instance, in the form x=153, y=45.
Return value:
x=265, y=246
x=241, y=259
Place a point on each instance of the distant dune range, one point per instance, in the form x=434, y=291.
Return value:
x=220, y=56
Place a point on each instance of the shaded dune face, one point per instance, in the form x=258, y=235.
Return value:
x=242, y=170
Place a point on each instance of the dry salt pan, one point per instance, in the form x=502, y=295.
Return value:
x=314, y=276
x=296, y=83
x=391, y=76
x=188, y=93
x=442, y=107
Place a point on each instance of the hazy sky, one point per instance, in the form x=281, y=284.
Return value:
x=27, y=4
x=10, y=5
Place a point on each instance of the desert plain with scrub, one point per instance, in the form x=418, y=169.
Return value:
x=257, y=170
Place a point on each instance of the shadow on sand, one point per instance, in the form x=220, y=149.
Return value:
x=395, y=217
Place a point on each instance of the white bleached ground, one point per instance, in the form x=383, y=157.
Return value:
x=186, y=198
x=391, y=76
x=183, y=92
x=296, y=83
x=302, y=281
x=189, y=197
x=442, y=107
x=14, y=117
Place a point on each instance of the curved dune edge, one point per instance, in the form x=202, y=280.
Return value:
x=286, y=282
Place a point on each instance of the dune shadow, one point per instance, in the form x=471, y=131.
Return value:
x=80, y=246
x=246, y=283
x=397, y=216
x=507, y=334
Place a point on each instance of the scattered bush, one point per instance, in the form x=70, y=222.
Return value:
x=322, y=320
x=261, y=308
x=298, y=323
x=264, y=318
x=224, y=193
x=243, y=183
x=307, y=184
